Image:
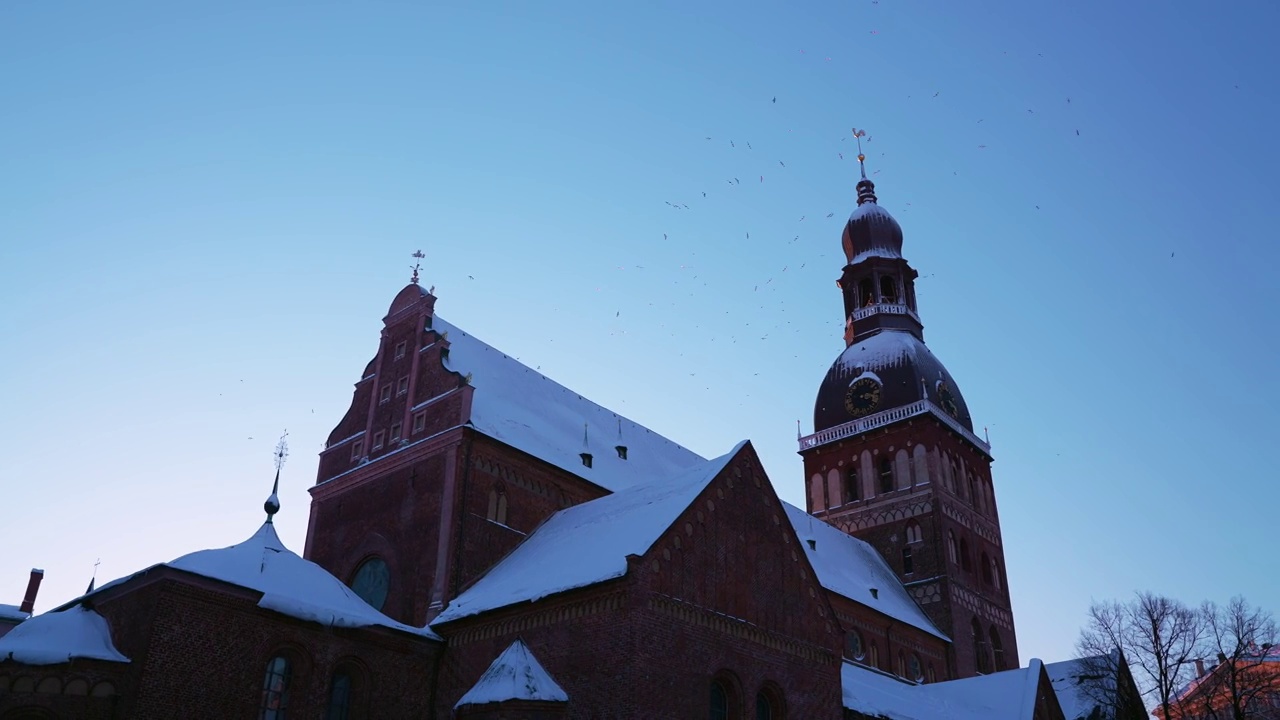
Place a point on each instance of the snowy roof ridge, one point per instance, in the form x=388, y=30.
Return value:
x=290, y=584
x=850, y=567
x=514, y=675
x=1007, y=695
x=1066, y=677
x=522, y=407
x=586, y=544
x=12, y=613
x=59, y=636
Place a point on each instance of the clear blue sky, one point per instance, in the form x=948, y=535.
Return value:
x=208, y=210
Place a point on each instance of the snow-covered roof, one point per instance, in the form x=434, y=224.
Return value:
x=1008, y=695
x=11, y=613
x=289, y=584
x=60, y=635
x=878, y=252
x=886, y=348
x=850, y=567
x=533, y=413
x=588, y=543
x=1070, y=678
x=515, y=675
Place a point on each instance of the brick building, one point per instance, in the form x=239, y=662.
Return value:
x=484, y=542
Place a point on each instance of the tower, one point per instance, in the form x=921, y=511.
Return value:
x=893, y=459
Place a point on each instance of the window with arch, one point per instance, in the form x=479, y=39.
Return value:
x=873, y=655
x=915, y=669
x=864, y=289
x=719, y=701
x=955, y=473
x=886, y=475
x=852, y=492
x=371, y=582
x=888, y=289
x=933, y=675
x=997, y=649
x=817, y=498
x=981, y=657
x=833, y=488
x=340, y=696
x=908, y=562
x=768, y=704
x=986, y=569
x=901, y=668
x=973, y=488
x=497, y=507
x=914, y=534
x=965, y=564
x=275, y=689
x=853, y=645
x=952, y=553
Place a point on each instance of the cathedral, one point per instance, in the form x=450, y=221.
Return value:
x=484, y=542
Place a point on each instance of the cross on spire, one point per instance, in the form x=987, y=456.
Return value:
x=272, y=505
x=866, y=188
x=417, y=265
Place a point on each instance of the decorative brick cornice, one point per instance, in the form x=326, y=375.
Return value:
x=737, y=628
x=560, y=613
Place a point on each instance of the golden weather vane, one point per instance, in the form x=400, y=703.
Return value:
x=417, y=265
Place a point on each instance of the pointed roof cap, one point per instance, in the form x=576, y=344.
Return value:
x=515, y=675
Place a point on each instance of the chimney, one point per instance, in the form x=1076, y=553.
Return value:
x=1199, y=668
x=33, y=587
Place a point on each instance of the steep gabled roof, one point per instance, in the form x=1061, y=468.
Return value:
x=850, y=567
x=588, y=543
x=1008, y=695
x=59, y=636
x=1072, y=681
x=515, y=675
x=289, y=584
x=535, y=414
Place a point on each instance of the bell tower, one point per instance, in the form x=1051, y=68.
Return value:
x=893, y=459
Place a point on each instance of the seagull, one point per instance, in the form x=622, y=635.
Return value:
x=775, y=100
x=782, y=163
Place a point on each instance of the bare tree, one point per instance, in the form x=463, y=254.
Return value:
x=1157, y=635
x=1245, y=683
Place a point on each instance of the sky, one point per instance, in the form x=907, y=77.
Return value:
x=207, y=211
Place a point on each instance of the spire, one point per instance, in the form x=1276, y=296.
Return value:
x=866, y=188
x=272, y=505
x=93, y=578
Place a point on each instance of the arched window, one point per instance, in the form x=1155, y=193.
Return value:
x=833, y=488
x=853, y=645
x=901, y=669
x=873, y=655
x=932, y=676
x=964, y=555
x=493, y=505
x=952, y=552
x=997, y=648
x=981, y=657
x=886, y=475
x=501, y=516
x=768, y=704
x=973, y=489
x=341, y=692
x=908, y=563
x=914, y=535
x=371, y=582
x=915, y=670
x=851, y=490
x=275, y=689
x=817, y=498
x=719, y=701
x=986, y=569
x=864, y=289
x=888, y=289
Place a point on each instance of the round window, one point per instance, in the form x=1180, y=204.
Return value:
x=917, y=673
x=370, y=582
x=853, y=646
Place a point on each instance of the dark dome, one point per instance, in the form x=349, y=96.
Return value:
x=871, y=232
x=895, y=360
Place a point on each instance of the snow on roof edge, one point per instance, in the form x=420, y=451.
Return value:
x=503, y=680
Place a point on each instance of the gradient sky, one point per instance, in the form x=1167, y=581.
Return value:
x=207, y=211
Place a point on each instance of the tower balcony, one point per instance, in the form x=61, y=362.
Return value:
x=883, y=308
x=887, y=417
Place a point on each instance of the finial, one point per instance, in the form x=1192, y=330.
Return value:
x=417, y=265
x=93, y=579
x=272, y=505
x=866, y=188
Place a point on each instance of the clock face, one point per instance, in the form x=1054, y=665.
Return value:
x=863, y=397
x=947, y=400
x=371, y=581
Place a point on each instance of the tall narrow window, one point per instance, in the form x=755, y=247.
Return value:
x=981, y=657
x=395, y=432
x=493, y=506
x=952, y=553
x=986, y=569
x=908, y=565
x=377, y=439
x=864, y=289
x=386, y=393
x=767, y=706
x=873, y=655
x=995, y=573
x=886, y=475
x=719, y=701
x=275, y=689
x=964, y=555
x=400, y=350
x=420, y=422
x=901, y=669
x=403, y=386
x=502, y=509
x=340, y=696
x=997, y=648
x=851, y=489
x=914, y=535
x=973, y=489
x=888, y=290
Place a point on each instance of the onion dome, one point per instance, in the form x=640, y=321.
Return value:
x=890, y=369
x=871, y=230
